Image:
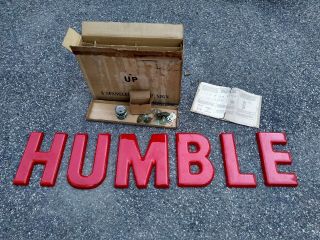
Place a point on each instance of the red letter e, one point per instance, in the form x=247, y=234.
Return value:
x=270, y=159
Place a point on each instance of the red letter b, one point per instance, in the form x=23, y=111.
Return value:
x=185, y=159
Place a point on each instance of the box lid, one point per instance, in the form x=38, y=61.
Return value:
x=128, y=34
x=119, y=30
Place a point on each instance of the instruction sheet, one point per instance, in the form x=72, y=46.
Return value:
x=230, y=104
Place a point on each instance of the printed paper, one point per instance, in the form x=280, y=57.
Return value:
x=234, y=105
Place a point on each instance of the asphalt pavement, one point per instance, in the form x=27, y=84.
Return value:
x=269, y=48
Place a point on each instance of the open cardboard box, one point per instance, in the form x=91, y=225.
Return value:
x=118, y=58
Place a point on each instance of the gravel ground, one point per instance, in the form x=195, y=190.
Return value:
x=270, y=48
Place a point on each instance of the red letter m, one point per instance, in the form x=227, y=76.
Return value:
x=129, y=156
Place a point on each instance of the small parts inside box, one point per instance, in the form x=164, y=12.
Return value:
x=140, y=102
x=118, y=112
x=158, y=117
x=121, y=112
x=155, y=116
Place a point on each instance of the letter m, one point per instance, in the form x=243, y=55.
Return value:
x=129, y=156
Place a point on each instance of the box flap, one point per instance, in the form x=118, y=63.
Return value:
x=140, y=97
x=134, y=33
x=72, y=38
x=134, y=30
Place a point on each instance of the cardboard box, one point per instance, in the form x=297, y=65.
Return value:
x=140, y=102
x=117, y=58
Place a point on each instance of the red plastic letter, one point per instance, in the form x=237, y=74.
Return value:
x=234, y=178
x=270, y=159
x=50, y=159
x=129, y=156
x=98, y=174
x=185, y=159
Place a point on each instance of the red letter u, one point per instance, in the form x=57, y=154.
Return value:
x=98, y=174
